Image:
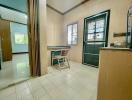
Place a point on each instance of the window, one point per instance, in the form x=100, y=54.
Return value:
x=72, y=34
x=96, y=30
x=21, y=38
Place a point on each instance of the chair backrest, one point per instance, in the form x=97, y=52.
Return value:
x=56, y=53
x=64, y=52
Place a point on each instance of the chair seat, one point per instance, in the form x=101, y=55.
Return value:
x=59, y=57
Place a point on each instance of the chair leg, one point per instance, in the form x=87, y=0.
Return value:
x=52, y=62
x=63, y=61
x=59, y=63
x=68, y=62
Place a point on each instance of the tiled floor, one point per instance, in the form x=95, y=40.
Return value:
x=77, y=83
x=15, y=70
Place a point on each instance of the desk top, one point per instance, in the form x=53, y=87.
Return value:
x=58, y=47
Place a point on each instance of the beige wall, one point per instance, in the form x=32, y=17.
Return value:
x=55, y=22
x=43, y=39
x=117, y=20
x=51, y=33
x=55, y=30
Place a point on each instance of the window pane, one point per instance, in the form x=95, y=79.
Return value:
x=91, y=26
x=69, y=34
x=91, y=31
x=91, y=37
x=19, y=38
x=72, y=34
x=74, y=39
x=75, y=28
x=100, y=23
x=70, y=29
x=99, y=37
x=69, y=38
x=99, y=29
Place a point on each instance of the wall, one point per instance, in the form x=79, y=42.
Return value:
x=20, y=29
x=43, y=36
x=117, y=20
x=55, y=30
x=55, y=22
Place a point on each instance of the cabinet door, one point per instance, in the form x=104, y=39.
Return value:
x=5, y=40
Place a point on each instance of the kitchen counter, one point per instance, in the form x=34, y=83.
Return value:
x=116, y=49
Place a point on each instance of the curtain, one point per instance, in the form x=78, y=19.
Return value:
x=34, y=48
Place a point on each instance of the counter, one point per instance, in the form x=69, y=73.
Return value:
x=116, y=49
x=115, y=74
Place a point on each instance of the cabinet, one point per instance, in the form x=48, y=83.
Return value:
x=5, y=40
x=115, y=74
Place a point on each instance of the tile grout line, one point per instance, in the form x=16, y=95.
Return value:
x=16, y=92
x=13, y=84
x=70, y=86
x=45, y=90
x=30, y=89
x=56, y=85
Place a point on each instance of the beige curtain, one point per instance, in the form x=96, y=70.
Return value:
x=34, y=49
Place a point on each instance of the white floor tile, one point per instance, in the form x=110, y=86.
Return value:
x=14, y=71
x=77, y=83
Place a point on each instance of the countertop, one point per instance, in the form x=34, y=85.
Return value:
x=116, y=49
x=58, y=47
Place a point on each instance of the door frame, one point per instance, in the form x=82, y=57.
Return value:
x=107, y=30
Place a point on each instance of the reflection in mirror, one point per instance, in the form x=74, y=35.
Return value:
x=14, y=56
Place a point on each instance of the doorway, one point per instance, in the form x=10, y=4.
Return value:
x=95, y=37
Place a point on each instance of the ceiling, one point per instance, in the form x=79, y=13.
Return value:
x=16, y=4
x=12, y=15
x=60, y=5
x=63, y=5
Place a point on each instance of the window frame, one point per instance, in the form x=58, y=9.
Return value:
x=72, y=34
